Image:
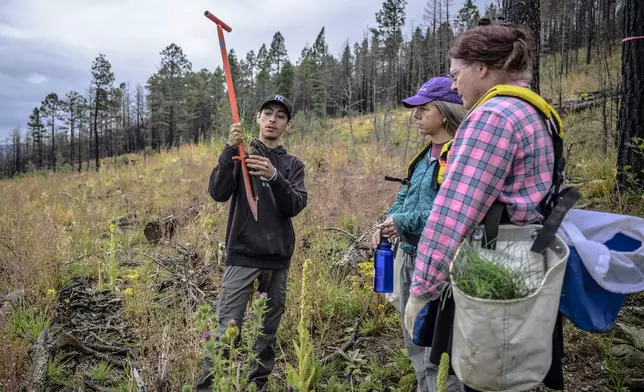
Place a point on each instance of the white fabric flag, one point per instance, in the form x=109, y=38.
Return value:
x=587, y=231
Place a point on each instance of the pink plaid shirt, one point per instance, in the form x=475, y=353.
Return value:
x=502, y=151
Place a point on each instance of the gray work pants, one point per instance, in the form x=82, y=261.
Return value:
x=426, y=372
x=236, y=286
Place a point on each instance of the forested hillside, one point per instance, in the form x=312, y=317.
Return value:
x=73, y=130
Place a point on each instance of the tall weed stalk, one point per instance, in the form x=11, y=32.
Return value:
x=232, y=354
x=305, y=376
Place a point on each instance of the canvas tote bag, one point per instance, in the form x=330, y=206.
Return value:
x=505, y=345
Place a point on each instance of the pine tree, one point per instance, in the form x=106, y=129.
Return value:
x=388, y=36
x=277, y=53
x=174, y=69
x=51, y=107
x=319, y=72
x=527, y=13
x=17, y=158
x=285, y=79
x=102, y=79
x=72, y=107
x=37, y=129
x=468, y=16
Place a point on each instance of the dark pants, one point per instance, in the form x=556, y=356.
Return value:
x=233, y=299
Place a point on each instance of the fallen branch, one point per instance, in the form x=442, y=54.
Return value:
x=79, y=258
x=140, y=384
x=189, y=283
x=156, y=261
x=90, y=384
x=39, y=354
x=177, y=277
x=198, y=271
x=581, y=365
x=162, y=382
x=166, y=227
x=353, y=237
x=101, y=341
x=634, y=384
x=353, y=338
x=126, y=220
x=164, y=284
x=104, y=348
x=638, y=310
x=70, y=196
x=358, y=252
x=104, y=328
x=363, y=246
x=14, y=296
x=67, y=340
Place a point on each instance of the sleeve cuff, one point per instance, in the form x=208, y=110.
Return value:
x=397, y=218
x=279, y=182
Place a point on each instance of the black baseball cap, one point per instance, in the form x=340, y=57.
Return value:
x=279, y=99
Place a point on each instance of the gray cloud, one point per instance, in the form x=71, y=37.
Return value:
x=28, y=72
x=48, y=46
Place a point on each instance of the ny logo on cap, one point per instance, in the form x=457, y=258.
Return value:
x=279, y=98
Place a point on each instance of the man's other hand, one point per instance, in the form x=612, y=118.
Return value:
x=261, y=166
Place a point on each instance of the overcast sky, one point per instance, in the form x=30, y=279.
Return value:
x=49, y=45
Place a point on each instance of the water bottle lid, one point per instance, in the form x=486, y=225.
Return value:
x=384, y=236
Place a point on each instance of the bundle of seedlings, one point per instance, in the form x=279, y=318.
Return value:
x=507, y=273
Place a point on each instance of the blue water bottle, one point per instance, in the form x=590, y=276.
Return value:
x=383, y=265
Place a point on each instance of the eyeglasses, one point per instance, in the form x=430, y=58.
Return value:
x=454, y=74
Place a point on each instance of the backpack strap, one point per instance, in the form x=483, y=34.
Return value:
x=566, y=200
x=558, y=173
x=556, y=203
x=414, y=162
x=438, y=174
x=496, y=215
x=412, y=166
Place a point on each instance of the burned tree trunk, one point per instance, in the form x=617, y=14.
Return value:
x=526, y=13
x=630, y=154
x=166, y=227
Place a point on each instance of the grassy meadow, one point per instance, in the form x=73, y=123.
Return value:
x=76, y=243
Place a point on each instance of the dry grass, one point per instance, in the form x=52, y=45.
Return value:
x=52, y=219
x=580, y=77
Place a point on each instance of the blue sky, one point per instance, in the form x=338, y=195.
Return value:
x=49, y=45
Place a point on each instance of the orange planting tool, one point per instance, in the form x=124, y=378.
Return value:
x=221, y=26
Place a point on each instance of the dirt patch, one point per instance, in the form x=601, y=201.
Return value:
x=90, y=339
x=91, y=314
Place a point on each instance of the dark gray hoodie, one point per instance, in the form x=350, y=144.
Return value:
x=269, y=242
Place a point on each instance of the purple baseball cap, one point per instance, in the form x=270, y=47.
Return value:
x=435, y=89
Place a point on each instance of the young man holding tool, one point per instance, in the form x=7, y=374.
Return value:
x=258, y=250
